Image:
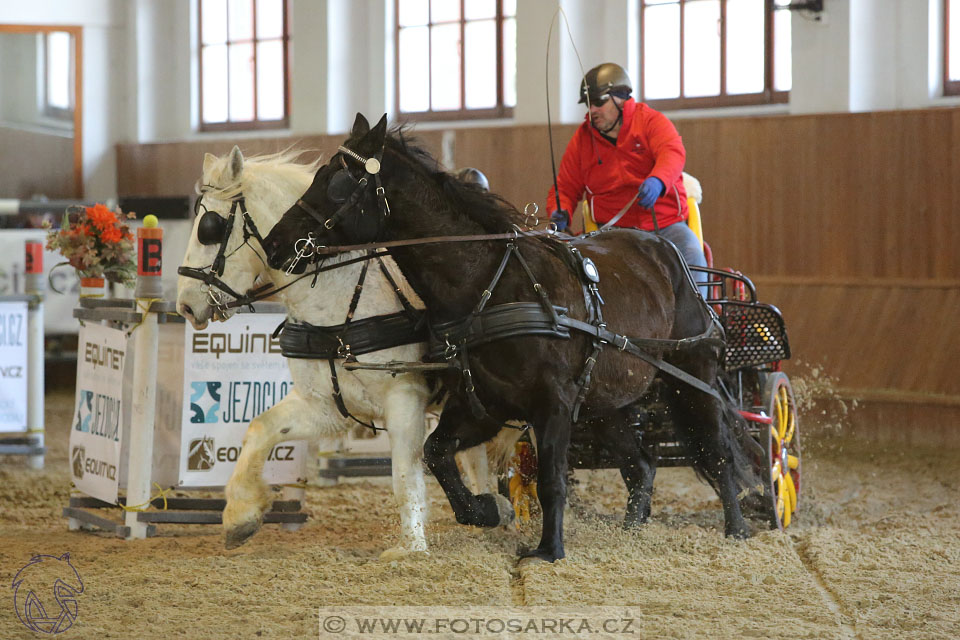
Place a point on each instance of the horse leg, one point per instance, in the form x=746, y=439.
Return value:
x=459, y=430
x=248, y=496
x=404, y=409
x=701, y=421
x=637, y=466
x=553, y=442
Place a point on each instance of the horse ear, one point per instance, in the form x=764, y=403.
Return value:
x=360, y=126
x=208, y=161
x=378, y=133
x=236, y=162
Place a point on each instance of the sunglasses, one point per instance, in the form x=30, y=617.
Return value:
x=599, y=101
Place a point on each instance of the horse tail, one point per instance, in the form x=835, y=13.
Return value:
x=738, y=444
x=501, y=448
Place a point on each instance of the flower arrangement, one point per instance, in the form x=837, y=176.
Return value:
x=96, y=243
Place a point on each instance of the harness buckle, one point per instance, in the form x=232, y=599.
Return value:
x=468, y=381
x=528, y=214
x=450, y=351
x=328, y=224
x=625, y=342
x=343, y=351
x=302, y=247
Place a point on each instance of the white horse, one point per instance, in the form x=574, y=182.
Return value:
x=270, y=185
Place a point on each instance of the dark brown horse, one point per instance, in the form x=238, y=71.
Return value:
x=380, y=188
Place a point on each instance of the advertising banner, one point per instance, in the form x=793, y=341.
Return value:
x=96, y=427
x=232, y=372
x=13, y=366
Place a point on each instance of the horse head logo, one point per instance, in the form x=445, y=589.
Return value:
x=200, y=457
x=45, y=594
x=78, y=457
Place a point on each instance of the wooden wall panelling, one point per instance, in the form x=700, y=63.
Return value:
x=516, y=160
x=874, y=337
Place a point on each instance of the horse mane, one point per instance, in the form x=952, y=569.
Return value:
x=490, y=211
x=281, y=168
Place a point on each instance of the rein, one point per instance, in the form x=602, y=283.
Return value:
x=512, y=235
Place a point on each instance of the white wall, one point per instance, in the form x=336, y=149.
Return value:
x=140, y=70
x=105, y=60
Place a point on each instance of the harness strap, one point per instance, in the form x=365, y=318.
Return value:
x=338, y=400
x=404, y=302
x=496, y=279
x=624, y=344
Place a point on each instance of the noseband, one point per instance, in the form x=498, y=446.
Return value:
x=213, y=229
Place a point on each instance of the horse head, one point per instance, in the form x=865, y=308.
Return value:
x=345, y=204
x=224, y=258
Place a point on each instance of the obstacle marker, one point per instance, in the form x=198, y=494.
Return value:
x=142, y=507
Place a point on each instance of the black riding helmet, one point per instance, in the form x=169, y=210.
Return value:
x=474, y=176
x=607, y=79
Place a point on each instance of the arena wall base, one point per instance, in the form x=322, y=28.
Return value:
x=81, y=514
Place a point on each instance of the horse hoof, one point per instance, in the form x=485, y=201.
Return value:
x=505, y=510
x=737, y=533
x=238, y=535
x=535, y=557
x=398, y=553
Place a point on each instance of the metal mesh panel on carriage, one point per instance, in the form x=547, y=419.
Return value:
x=755, y=334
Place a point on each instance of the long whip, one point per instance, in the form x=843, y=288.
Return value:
x=553, y=162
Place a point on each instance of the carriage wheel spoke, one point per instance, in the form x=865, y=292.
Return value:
x=776, y=435
x=793, y=462
x=776, y=472
x=791, y=493
x=781, y=500
x=782, y=412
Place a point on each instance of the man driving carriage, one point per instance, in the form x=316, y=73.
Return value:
x=625, y=155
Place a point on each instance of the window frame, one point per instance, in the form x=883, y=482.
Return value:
x=499, y=111
x=768, y=96
x=49, y=110
x=950, y=87
x=256, y=123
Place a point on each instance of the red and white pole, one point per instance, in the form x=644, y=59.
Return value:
x=144, y=401
x=35, y=286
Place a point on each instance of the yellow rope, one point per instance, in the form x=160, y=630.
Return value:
x=143, y=507
x=144, y=310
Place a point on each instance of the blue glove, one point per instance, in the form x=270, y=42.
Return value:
x=650, y=190
x=560, y=218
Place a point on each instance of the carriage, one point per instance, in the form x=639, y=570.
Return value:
x=757, y=342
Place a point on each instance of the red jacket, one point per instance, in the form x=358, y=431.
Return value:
x=608, y=176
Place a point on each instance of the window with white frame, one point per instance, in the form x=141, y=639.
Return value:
x=951, y=47
x=243, y=64
x=58, y=65
x=456, y=58
x=713, y=53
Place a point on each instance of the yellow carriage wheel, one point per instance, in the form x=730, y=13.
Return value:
x=783, y=450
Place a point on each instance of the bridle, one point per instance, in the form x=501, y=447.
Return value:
x=214, y=229
x=347, y=191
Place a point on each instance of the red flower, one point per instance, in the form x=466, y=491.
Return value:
x=101, y=217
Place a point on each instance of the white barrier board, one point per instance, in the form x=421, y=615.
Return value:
x=232, y=372
x=13, y=366
x=96, y=427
